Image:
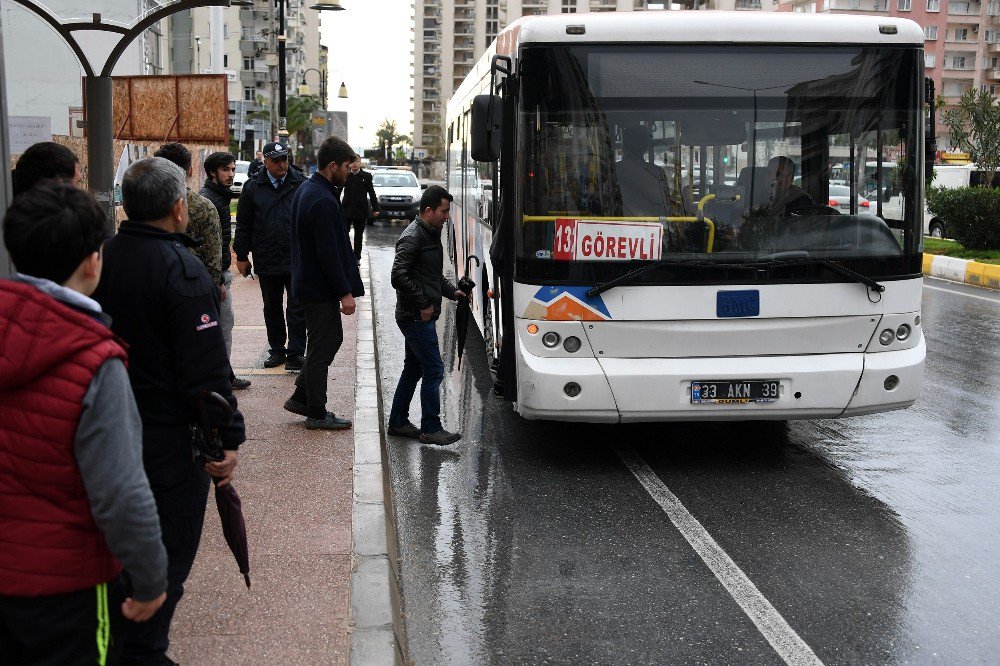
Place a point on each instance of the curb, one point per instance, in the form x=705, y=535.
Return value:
x=962, y=270
x=372, y=638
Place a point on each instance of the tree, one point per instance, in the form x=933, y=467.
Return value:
x=299, y=112
x=388, y=138
x=974, y=125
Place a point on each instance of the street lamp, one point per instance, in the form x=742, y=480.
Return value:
x=329, y=6
x=304, y=88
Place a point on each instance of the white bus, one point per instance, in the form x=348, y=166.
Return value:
x=640, y=259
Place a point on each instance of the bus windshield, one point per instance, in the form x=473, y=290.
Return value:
x=723, y=153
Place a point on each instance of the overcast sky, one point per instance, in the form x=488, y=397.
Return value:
x=369, y=46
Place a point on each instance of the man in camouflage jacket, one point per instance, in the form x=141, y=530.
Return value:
x=203, y=219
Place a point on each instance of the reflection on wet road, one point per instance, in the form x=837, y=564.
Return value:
x=875, y=539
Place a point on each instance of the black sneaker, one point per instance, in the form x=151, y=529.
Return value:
x=295, y=407
x=405, y=430
x=239, y=384
x=294, y=363
x=331, y=422
x=274, y=360
x=440, y=438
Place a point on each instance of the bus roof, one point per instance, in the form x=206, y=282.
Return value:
x=714, y=27
x=690, y=27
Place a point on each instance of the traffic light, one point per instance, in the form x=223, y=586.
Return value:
x=725, y=158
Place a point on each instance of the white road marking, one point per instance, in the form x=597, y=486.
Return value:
x=767, y=619
x=962, y=293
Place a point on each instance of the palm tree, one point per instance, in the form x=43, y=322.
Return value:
x=388, y=137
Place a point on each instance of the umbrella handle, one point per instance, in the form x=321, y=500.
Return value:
x=467, y=260
x=204, y=397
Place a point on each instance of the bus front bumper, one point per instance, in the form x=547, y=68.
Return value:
x=815, y=386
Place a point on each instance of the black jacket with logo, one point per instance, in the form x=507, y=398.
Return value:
x=220, y=196
x=417, y=272
x=358, y=192
x=163, y=304
x=263, y=222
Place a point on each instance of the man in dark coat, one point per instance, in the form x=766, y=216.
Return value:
x=358, y=195
x=325, y=279
x=256, y=164
x=220, y=169
x=263, y=226
x=164, y=305
x=420, y=284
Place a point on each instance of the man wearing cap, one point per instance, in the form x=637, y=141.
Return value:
x=263, y=227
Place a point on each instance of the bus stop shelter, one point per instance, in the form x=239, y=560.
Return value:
x=97, y=58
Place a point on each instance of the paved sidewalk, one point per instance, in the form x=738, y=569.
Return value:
x=296, y=486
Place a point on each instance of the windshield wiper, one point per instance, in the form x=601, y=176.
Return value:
x=840, y=269
x=628, y=277
x=749, y=266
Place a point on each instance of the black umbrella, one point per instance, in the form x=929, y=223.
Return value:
x=462, y=315
x=208, y=448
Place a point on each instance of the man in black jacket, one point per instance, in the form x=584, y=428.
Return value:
x=164, y=305
x=220, y=170
x=420, y=284
x=263, y=226
x=325, y=279
x=358, y=192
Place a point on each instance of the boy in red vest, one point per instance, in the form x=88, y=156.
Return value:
x=75, y=505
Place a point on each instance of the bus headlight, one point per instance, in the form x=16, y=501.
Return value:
x=550, y=339
x=886, y=337
x=572, y=344
x=903, y=332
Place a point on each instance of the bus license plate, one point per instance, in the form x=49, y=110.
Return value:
x=735, y=391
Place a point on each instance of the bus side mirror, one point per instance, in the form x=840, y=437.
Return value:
x=486, y=115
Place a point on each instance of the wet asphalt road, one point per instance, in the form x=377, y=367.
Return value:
x=874, y=539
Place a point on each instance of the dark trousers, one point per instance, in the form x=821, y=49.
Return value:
x=359, y=234
x=180, y=524
x=422, y=364
x=83, y=627
x=272, y=291
x=325, y=333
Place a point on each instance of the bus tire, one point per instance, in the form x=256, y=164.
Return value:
x=936, y=229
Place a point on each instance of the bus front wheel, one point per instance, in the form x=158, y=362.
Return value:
x=937, y=230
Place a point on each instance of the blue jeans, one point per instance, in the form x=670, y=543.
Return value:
x=423, y=362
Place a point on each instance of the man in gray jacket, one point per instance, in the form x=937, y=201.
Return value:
x=420, y=284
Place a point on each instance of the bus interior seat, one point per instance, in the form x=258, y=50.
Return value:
x=761, y=185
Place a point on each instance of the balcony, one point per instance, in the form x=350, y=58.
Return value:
x=971, y=10
x=994, y=47
x=252, y=15
x=253, y=76
x=858, y=5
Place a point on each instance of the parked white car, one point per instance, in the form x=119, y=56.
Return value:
x=241, y=176
x=398, y=193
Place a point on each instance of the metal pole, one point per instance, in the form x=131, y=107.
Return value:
x=100, y=145
x=282, y=102
x=6, y=267
x=216, y=21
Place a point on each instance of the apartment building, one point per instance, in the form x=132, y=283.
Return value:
x=449, y=36
x=250, y=56
x=961, y=40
